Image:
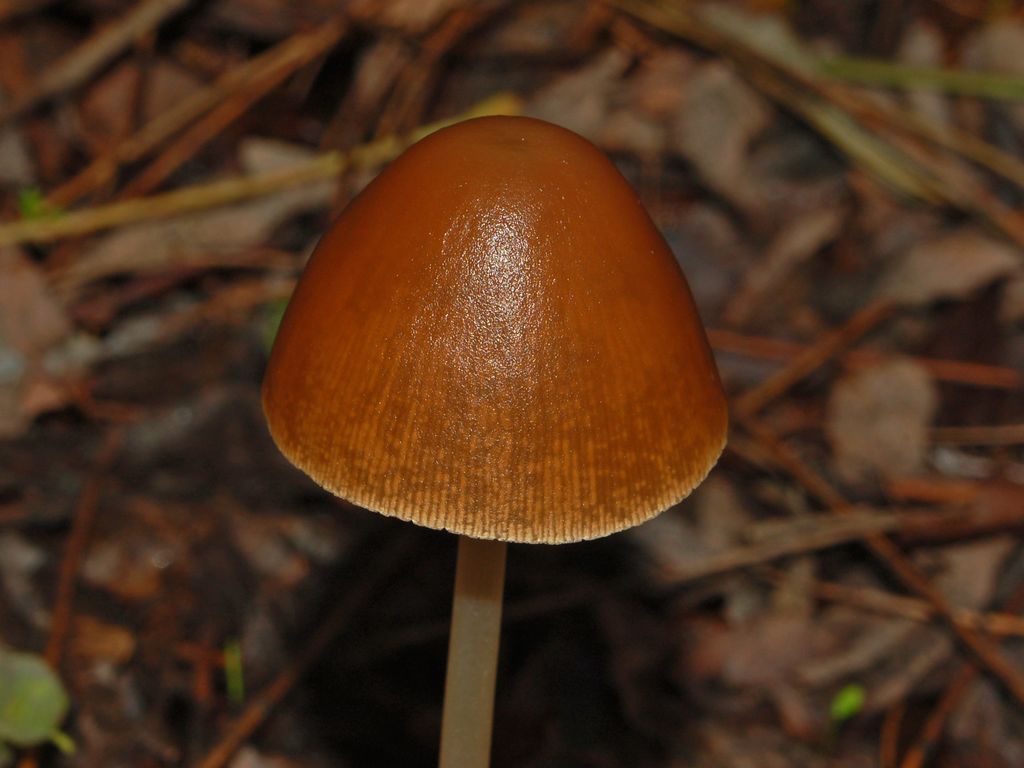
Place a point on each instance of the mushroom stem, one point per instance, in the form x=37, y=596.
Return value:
x=473, y=654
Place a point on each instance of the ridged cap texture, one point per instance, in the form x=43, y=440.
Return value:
x=494, y=339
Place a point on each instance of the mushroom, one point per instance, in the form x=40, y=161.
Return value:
x=494, y=339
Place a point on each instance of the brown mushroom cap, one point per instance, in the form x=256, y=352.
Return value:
x=494, y=339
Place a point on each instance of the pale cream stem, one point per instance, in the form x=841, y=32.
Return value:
x=473, y=654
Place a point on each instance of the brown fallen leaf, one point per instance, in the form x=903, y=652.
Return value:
x=715, y=521
x=15, y=162
x=633, y=132
x=771, y=648
x=131, y=569
x=760, y=660
x=893, y=657
x=995, y=47
x=278, y=547
x=923, y=45
x=249, y=757
x=580, y=101
x=413, y=17
x=865, y=642
x=31, y=319
x=1011, y=309
x=269, y=20
x=753, y=745
x=20, y=563
x=156, y=246
x=656, y=86
x=103, y=105
x=133, y=557
x=982, y=730
x=167, y=85
x=535, y=29
x=650, y=99
x=906, y=669
x=878, y=418
x=377, y=69
x=952, y=265
x=770, y=34
x=719, y=116
x=970, y=571
x=94, y=640
x=32, y=322
x=103, y=114
x=799, y=240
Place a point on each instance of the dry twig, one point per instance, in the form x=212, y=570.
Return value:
x=836, y=114
x=1000, y=623
x=78, y=66
x=417, y=81
x=1000, y=434
x=953, y=371
x=889, y=743
x=10, y=9
x=383, y=565
x=300, y=50
x=81, y=527
x=282, y=57
x=811, y=358
x=951, y=697
x=987, y=652
x=328, y=165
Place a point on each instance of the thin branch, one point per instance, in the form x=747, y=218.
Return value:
x=981, y=645
x=811, y=358
x=383, y=565
x=12, y=9
x=951, y=697
x=999, y=434
x=328, y=165
x=81, y=527
x=77, y=67
x=313, y=46
x=283, y=57
x=836, y=115
x=999, y=623
x=953, y=371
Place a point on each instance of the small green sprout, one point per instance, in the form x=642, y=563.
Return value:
x=32, y=205
x=847, y=703
x=234, y=677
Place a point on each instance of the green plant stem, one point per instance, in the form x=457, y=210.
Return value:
x=963, y=82
x=473, y=654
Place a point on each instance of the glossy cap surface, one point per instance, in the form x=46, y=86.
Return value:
x=493, y=338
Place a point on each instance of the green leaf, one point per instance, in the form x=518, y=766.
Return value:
x=32, y=700
x=32, y=205
x=6, y=756
x=847, y=702
x=274, y=314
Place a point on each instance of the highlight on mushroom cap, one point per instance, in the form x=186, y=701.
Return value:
x=494, y=339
